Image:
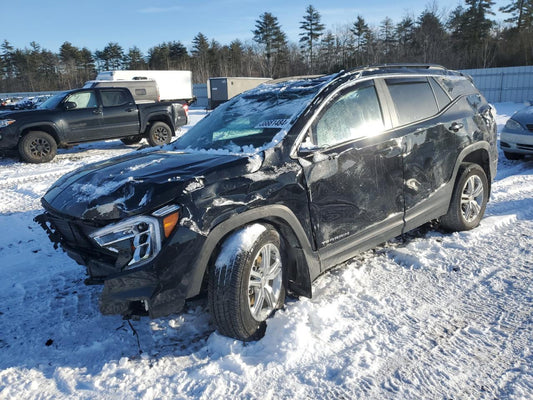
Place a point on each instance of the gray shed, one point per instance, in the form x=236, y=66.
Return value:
x=222, y=89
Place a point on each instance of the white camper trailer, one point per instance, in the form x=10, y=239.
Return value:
x=173, y=85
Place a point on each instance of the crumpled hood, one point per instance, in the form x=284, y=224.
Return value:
x=136, y=183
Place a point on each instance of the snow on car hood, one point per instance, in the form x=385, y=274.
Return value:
x=137, y=183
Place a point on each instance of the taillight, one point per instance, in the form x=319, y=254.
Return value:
x=186, y=108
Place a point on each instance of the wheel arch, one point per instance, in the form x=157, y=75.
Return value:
x=302, y=262
x=44, y=128
x=152, y=119
x=478, y=153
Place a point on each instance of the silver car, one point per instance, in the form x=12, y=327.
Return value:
x=516, y=139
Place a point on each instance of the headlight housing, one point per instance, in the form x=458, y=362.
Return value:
x=511, y=124
x=6, y=122
x=138, y=240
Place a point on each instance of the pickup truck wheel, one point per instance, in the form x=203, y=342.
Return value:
x=469, y=199
x=131, y=139
x=37, y=147
x=159, y=134
x=246, y=284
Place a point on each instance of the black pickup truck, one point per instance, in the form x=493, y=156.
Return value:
x=87, y=115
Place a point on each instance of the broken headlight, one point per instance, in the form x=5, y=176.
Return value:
x=138, y=239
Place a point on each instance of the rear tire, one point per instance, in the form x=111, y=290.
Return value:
x=37, y=147
x=246, y=284
x=469, y=199
x=159, y=134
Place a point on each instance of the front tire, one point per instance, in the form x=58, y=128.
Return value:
x=159, y=134
x=37, y=147
x=469, y=199
x=246, y=284
x=131, y=139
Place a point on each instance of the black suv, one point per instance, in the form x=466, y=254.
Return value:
x=276, y=186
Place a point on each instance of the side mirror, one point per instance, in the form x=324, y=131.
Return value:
x=69, y=105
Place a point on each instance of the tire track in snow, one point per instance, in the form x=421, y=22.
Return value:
x=459, y=337
x=23, y=185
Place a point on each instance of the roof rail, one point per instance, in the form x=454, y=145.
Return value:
x=406, y=65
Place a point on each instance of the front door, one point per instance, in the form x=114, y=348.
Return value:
x=82, y=117
x=354, y=173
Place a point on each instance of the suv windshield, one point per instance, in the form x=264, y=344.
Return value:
x=253, y=121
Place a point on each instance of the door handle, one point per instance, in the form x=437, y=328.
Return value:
x=97, y=111
x=456, y=126
x=130, y=109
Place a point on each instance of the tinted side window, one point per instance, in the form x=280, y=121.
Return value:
x=413, y=99
x=442, y=98
x=113, y=98
x=352, y=115
x=457, y=86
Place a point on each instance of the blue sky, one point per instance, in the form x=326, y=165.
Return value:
x=145, y=23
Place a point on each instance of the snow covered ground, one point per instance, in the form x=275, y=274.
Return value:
x=437, y=316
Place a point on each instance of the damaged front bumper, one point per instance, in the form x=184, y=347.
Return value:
x=157, y=288
x=139, y=293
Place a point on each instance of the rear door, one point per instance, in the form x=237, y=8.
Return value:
x=429, y=142
x=353, y=171
x=120, y=113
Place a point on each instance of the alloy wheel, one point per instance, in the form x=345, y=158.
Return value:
x=472, y=198
x=265, y=283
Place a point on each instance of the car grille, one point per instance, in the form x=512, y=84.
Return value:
x=73, y=233
x=524, y=146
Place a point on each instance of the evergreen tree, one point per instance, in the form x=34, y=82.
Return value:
x=49, y=76
x=388, y=39
x=69, y=57
x=328, y=53
x=520, y=35
x=312, y=30
x=471, y=32
x=200, y=58
x=404, y=35
x=361, y=32
x=236, y=58
x=135, y=59
x=430, y=39
x=269, y=35
x=7, y=60
x=521, y=14
x=111, y=58
x=86, y=64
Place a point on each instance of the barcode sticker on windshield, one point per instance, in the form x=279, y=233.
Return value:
x=272, y=123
